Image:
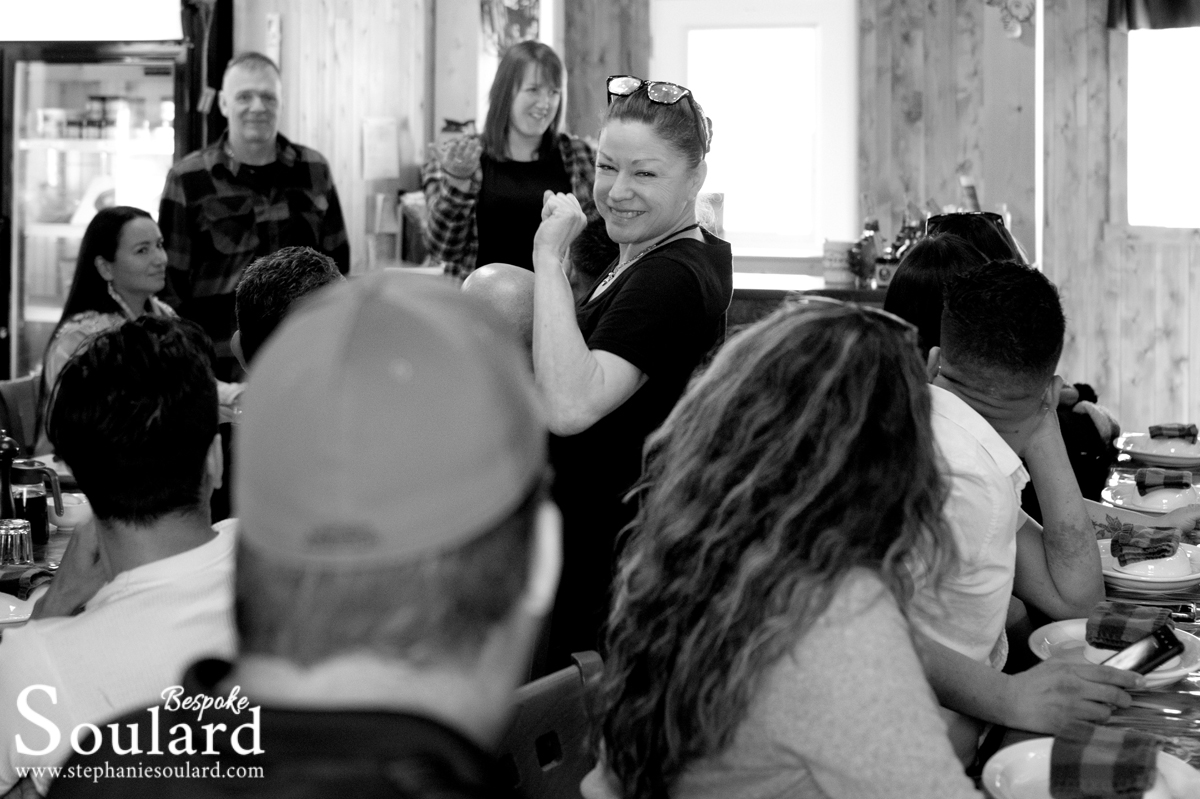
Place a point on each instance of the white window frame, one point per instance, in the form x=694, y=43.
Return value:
x=837, y=135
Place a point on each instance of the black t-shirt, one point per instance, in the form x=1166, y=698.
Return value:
x=509, y=207
x=663, y=315
x=304, y=753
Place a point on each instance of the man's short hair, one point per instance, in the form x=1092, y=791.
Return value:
x=133, y=415
x=251, y=60
x=437, y=608
x=271, y=284
x=1003, y=316
x=390, y=464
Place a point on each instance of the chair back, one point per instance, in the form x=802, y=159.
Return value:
x=547, y=749
x=19, y=410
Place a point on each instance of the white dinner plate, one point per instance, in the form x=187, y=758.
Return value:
x=1147, y=585
x=1173, y=452
x=1022, y=771
x=1064, y=640
x=1156, y=503
x=13, y=610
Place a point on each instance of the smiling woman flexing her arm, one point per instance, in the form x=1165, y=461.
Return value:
x=612, y=368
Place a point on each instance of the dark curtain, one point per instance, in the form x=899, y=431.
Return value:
x=208, y=32
x=1134, y=14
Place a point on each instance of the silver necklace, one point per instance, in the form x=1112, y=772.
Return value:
x=621, y=267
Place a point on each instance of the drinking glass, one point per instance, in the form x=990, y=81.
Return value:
x=16, y=543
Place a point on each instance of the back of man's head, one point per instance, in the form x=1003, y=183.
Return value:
x=270, y=285
x=1004, y=319
x=134, y=414
x=389, y=471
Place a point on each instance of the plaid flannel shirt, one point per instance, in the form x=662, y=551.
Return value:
x=451, y=235
x=1090, y=761
x=214, y=223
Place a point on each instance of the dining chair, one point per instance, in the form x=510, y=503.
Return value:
x=547, y=751
x=19, y=400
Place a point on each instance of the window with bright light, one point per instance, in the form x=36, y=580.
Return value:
x=1163, y=121
x=766, y=114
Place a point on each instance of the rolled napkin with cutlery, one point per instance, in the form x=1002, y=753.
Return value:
x=1145, y=543
x=1153, y=479
x=20, y=581
x=1090, y=762
x=1174, y=430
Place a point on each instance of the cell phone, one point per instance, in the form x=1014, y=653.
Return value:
x=1147, y=654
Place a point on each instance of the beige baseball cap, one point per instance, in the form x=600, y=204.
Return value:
x=388, y=417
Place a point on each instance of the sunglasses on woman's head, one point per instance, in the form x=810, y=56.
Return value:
x=939, y=223
x=661, y=92
x=816, y=301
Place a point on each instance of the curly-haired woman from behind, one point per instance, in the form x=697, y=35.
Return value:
x=758, y=644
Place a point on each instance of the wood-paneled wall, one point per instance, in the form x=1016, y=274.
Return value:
x=344, y=61
x=943, y=93
x=1129, y=293
x=602, y=38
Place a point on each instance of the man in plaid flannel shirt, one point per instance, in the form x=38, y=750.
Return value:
x=249, y=194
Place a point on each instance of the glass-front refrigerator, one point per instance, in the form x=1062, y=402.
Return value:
x=87, y=132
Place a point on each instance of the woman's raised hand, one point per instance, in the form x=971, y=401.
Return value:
x=460, y=157
x=562, y=221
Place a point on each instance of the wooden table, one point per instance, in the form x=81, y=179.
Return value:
x=52, y=551
x=1172, y=712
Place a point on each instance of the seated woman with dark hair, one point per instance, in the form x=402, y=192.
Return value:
x=758, y=644
x=120, y=268
x=915, y=293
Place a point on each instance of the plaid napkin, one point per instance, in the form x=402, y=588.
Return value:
x=1090, y=762
x=1116, y=625
x=1153, y=479
x=1175, y=430
x=1145, y=543
x=21, y=580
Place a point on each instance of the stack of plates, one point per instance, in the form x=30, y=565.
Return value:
x=1172, y=453
x=1022, y=771
x=1065, y=640
x=1157, y=502
x=1140, y=584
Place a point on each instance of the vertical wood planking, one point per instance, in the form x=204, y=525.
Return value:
x=1007, y=125
x=884, y=179
x=940, y=105
x=1191, y=329
x=968, y=71
x=909, y=113
x=1171, y=339
x=871, y=116
x=1066, y=116
x=1118, y=144
x=1138, y=317
x=601, y=38
x=1092, y=329
x=1104, y=372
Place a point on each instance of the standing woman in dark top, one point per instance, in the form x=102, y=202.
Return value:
x=484, y=193
x=612, y=368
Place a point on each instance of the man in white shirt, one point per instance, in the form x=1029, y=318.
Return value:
x=993, y=394
x=148, y=588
